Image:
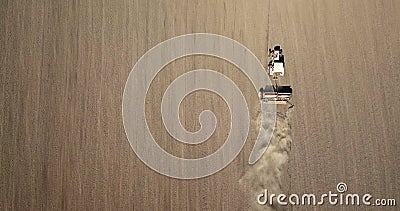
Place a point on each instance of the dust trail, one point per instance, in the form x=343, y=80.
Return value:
x=270, y=172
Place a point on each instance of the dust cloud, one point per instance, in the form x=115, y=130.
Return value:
x=270, y=172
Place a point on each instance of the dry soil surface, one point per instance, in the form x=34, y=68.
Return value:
x=63, y=69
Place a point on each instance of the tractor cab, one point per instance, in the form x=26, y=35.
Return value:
x=276, y=66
